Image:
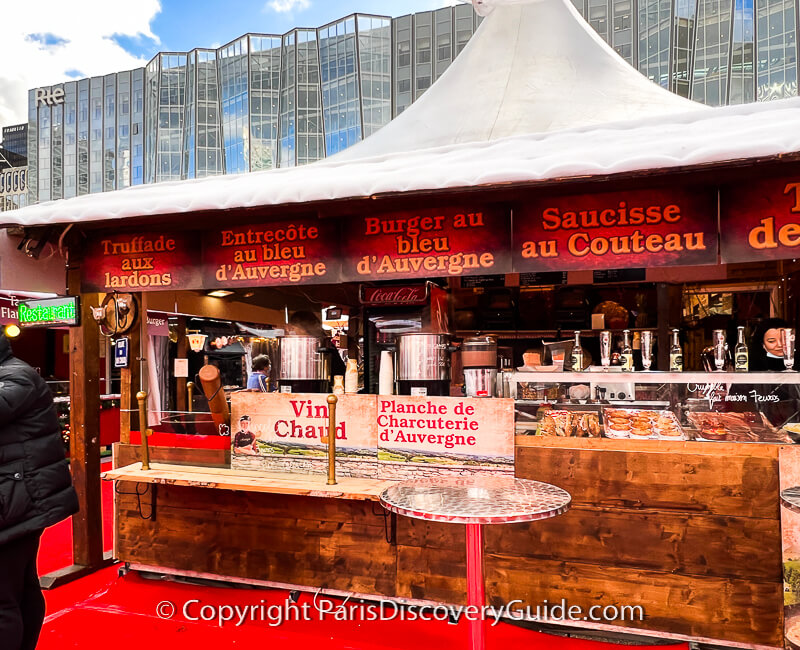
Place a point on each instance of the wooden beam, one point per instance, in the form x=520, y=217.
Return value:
x=182, y=353
x=84, y=390
x=130, y=378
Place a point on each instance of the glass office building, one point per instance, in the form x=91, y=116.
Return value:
x=15, y=139
x=280, y=100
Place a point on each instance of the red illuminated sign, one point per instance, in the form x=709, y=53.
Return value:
x=142, y=262
x=428, y=243
x=616, y=230
x=761, y=220
x=406, y=295
x=284, y=252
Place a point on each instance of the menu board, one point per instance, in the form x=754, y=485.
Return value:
x=761, y=220
x=424, y=436
x=616, y=230
x=283, y=432
x=619, y=275
x=428, y=243
x=378, y=436
x=143, y=262
x=275, y=253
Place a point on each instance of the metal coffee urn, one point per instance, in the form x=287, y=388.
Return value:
x=479, y=359
x=305, y=365
x=423, y=364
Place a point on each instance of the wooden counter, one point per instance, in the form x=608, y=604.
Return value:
x=689, y=531
x=273, y=483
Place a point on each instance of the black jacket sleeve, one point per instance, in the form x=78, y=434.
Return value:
x=17, y=396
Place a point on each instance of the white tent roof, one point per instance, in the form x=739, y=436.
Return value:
x=531, y=67
x=603, y=118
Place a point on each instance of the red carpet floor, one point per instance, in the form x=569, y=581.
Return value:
x=56, y=548
x=107, y=610
x=104, y=609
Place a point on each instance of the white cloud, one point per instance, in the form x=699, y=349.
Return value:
x=285, y=6
x=49, y=41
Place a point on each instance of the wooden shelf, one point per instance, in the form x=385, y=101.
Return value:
x=314, y=485
x=545, y=334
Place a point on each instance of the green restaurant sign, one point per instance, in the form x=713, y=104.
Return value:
x=49, y=312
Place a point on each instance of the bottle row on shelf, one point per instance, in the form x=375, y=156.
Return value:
x=716, y=357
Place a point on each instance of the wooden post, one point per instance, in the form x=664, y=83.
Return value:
x=183, y=351
x=84, y=390
x=663, y=332
x=130, y=379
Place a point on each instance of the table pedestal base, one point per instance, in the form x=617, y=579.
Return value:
x=475, y=588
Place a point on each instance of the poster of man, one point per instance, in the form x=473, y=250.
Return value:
x=244, y=442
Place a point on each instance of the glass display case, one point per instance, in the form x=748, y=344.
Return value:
x=703, y=406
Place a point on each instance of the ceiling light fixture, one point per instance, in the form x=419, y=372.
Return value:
x=220, y=293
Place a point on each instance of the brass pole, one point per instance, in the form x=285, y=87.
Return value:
x=141, y=396
x=190, y=390
x=332, y=399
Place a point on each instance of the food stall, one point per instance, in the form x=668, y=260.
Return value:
x=674, y=474
x=487, y=324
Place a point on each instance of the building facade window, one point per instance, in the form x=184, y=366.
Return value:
x=777, y=49
x=266, y=100
x=341, y=96
x=712, y=51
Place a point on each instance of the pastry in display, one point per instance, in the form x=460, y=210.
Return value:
x=577, y=424
x=735, y=427
x=641, y=424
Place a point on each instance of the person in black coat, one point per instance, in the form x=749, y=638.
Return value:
x=35, y=492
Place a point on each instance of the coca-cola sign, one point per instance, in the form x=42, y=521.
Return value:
x=403, y=295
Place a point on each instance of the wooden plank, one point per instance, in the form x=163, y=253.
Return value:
x=84, y=386
x=731, y=486
x=182, y=353
x=269, y=506
x=127, y=454
x=741, y=611
x=349, y=556
x=433, y=574
x=697, y=545
x=228, y=479
x=716, y=449
x=263, y=505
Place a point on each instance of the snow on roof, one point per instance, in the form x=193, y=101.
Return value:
x=706, y=136
x=532, y=67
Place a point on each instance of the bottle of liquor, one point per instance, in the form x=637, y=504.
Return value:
x=577, y=353
x=675, y=353
x=627, y=352
x=740, y=354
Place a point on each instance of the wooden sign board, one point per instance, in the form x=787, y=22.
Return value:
x=283, y=433
x=393, y=437
x=442, y=436
x=789, y=463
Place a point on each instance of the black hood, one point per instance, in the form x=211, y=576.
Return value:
x=5, y=348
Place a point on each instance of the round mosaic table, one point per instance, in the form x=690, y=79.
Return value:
x=790, y=497
x=475, y=501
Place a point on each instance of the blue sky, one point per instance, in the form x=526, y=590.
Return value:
x=47, y=42
x=185, y=24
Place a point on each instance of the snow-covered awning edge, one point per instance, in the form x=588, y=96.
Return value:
x=751, y=131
